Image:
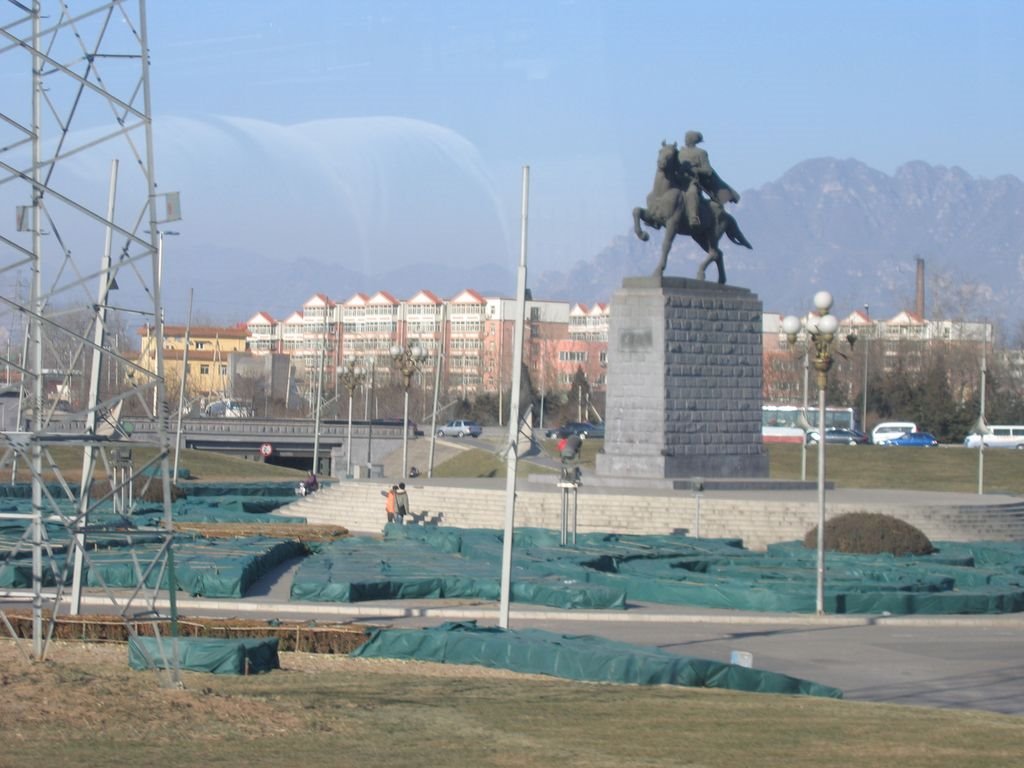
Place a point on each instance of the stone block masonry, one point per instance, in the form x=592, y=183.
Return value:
x=684, y=381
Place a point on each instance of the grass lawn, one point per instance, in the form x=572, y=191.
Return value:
x=477, y=462
x=947, y=468
x=203, y=466
x=88, y=708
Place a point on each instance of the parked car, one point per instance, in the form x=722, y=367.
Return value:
x=840, y=436
x=460, y=428
x=887, y=430
x=919, y=439
x=999, y=436
x=577, y=428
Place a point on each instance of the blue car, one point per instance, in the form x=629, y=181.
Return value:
x=918, y=439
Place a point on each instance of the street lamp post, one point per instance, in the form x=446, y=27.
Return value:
x=351, y=377
x=821, y=327
x=316, y=412
x=408, y=360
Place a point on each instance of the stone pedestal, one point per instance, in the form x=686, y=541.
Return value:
x=684, y=381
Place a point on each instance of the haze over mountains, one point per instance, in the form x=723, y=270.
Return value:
x=845, y=227
x=825, y=224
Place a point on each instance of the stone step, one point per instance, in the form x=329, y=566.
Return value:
x=359, y=506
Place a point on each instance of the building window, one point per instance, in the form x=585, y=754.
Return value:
x=204, y=370
x=572, y=356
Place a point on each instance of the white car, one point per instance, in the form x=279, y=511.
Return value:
x=999, y=436
x=890, y=430
x=460, y=428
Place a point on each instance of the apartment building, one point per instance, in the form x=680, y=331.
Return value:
x=561, y=339
x=475, y=333
x=209, y=348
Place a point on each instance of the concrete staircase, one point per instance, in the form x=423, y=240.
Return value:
x=757, y=518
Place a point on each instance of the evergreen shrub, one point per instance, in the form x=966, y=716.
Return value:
x=870, y=533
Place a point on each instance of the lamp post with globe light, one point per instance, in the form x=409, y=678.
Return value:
x=351, y=377
x=408, y=360
x=821, y=327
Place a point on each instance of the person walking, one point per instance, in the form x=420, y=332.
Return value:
x=389, y=502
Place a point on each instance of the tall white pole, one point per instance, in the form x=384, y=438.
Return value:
x=820, y=594
x=181, y=390
x=369, y=421
x=981, y=425
x=803, y=447
x=437, y=388
x=512, y=457
x=348, y=448
x=89, y=454
x=316, y=420
x=405, y=433
x=864, y=398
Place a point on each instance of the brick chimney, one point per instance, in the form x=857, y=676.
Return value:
x=919, y=288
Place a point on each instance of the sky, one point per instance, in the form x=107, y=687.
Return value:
x=390, y=133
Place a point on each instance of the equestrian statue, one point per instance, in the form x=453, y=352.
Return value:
x=678, y=203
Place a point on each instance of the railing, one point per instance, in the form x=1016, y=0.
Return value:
x=242, y=429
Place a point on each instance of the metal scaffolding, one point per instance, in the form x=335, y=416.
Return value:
x=76, y=166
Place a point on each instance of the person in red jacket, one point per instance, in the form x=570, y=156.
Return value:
x=389, y=502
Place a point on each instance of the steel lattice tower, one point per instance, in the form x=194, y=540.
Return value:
x=76, y=167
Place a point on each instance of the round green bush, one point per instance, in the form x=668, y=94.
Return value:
x=870, y=533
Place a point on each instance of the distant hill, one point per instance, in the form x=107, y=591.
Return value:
x=845, y=227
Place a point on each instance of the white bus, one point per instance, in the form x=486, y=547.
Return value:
x=780, y=423
x=999, y=436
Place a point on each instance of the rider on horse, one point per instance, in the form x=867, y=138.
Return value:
x=675, y=203
x=696, y=174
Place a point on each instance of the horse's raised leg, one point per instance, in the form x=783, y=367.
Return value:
x=638, y=214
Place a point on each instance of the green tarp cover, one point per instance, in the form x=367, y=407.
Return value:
x=205, y=503
x=359, y=569
x=283, y=490
x=411, y=561
x=601, y=571
x=221, y=656
x=203, y=567
x=575, y=657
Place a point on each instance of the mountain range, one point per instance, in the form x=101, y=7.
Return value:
x=830, y=224
x=842, y=226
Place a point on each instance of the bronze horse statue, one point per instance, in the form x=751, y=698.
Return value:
x=665, y=208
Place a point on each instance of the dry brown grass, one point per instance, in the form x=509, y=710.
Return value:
x=291, y=531
x=311, y=637
x=87, y=708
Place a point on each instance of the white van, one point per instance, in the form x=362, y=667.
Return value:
x=890, y=430
x=999, y=436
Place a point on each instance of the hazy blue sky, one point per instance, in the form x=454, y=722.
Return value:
x=272, y=116
x=535, y=82
x=584, y=92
